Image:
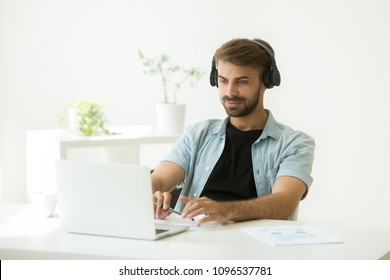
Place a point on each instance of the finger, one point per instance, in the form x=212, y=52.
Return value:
x=193, y=213
x=205, y=219
x=166, y=200
x=184, y=199
x=203, y=206
x=164, y=206
x=157, y=195
x=158, y=202
x=158, y=199
x=195, y=208
x=163, y=214
x=188, y=204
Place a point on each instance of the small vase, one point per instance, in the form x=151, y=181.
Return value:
x=170, y=117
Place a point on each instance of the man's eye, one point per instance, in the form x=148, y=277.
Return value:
x=222, y=81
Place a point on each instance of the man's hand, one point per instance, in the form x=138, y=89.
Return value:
x=161, y=202
x=213, y=210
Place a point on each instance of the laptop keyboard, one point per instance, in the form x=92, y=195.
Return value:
x=159, y=230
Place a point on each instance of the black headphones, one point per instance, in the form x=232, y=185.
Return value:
x=271, y=76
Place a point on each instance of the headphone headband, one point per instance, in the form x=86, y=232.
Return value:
x=271, y=76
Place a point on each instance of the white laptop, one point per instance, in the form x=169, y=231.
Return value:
x=110, y=199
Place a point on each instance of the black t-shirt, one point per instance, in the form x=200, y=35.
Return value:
x=232, y=176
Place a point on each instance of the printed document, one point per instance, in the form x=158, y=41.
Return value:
x=291, y=235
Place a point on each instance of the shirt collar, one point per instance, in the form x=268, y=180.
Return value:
x=270, y=128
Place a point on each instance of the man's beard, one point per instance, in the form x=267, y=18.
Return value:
x=249, y=105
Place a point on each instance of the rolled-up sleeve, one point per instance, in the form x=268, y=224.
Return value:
x=299, y=160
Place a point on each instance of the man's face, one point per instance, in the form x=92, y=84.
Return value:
x=239, y=88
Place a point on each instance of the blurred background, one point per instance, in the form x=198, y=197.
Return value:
x=333, y=57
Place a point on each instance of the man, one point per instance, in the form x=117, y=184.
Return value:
x=247, y=166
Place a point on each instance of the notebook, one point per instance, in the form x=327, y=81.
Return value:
x=110, y=199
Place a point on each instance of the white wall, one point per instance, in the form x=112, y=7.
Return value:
x=333, y=56
x=2, y=101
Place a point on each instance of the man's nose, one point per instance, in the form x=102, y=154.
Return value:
x=231, y=90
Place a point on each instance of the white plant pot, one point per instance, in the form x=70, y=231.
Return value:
x=170, y=117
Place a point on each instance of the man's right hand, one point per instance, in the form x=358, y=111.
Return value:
x=161, y=202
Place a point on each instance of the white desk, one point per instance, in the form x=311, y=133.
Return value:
x=23, y=236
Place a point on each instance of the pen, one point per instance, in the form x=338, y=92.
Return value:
x=170, y=209
x=174, y=211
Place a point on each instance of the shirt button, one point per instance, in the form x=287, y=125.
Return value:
x=194, y=195
x=207, y=168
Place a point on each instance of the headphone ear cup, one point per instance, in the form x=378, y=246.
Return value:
x=271, y=77
x=267, y=79
x=216, y=77
x=213, y=74
x=275, y=76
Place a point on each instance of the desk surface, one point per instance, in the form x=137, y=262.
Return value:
x=25, y=236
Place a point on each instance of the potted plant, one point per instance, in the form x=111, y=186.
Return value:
x=86, y=117
x=170, y=114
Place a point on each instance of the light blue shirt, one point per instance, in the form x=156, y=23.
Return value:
x=279, y=151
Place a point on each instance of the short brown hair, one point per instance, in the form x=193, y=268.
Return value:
x=245, y=52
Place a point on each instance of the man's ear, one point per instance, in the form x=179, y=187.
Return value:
x=262, y=87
